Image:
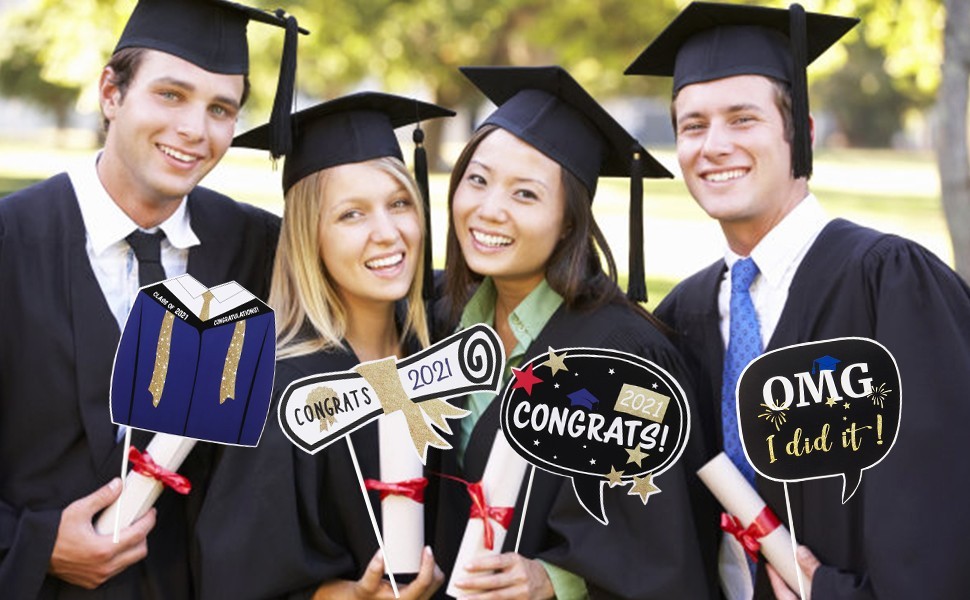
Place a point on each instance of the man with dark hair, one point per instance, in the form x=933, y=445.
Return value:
x=74, y=250
x=792, y=275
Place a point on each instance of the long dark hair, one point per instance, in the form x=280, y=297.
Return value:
x=574, y=269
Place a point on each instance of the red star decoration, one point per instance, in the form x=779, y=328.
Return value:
x=524, y=379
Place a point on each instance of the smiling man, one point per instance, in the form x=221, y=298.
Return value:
x=790, y=274
x=74, y=251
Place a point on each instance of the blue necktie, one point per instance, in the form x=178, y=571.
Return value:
x=744, y=345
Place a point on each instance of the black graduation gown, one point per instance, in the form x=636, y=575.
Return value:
x=904, y=532
x=57, y=344
x=277, y=521
x=646, y=551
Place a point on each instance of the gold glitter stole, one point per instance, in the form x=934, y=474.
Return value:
x=162, y=352
x=227, y=388
x=382, y=376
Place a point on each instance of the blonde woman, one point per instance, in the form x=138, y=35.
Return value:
x=346, y=289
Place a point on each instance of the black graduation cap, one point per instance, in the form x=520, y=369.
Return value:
x=211, y=34
x=548, y=109
x=709, y=41
x=353, y=129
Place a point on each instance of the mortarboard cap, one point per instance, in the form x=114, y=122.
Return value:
x=546, y=108
x=348, y=129
x=709, y=41
x=353, y=129
x=211, y=34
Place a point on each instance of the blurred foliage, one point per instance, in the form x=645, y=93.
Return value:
x=415, y=47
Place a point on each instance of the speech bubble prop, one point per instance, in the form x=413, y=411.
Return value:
x=318, y=410
x=820, y=409
x=195, y=362
x=596, y=416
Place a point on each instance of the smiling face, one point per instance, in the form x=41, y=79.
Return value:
x=735, y=157
x=508, y=210
x=370, y=234
x=169, y=128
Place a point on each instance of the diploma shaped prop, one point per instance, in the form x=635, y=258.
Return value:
x=316, y=411
x=742, y=502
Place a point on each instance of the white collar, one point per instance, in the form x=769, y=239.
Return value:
x=776, y=252
x=106, y=224
x=226, y=296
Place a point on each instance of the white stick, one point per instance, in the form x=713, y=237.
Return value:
x=798, y=568
x=124, y=478
x=525, y=506
x=370, y=513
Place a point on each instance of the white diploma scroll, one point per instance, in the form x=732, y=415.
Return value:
x=402, y=518
x=738, y=498
x=141, y=492
x=501, y=482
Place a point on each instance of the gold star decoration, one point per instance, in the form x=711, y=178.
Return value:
x=636, y=455
x=556, y=362
x=643, y=487
x=614, y=477
x=846, y=406
x=830, y=402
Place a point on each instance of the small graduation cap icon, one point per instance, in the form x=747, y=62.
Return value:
x=826, y=363
x=583, y=398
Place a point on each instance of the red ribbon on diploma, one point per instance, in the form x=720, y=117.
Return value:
x=763, y=524
x=481, y=510
x=411, y=488
x=143, y=464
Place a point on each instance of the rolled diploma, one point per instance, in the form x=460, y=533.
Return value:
x=737, y=497
x=501, y=482
x=168, y=451
x=402, y=518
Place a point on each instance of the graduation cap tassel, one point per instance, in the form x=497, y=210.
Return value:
x=801, y=140
x=421, y=176
x=281, y=132
x=636, y=289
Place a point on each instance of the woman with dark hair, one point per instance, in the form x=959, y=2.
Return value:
x=525, y=256
x=346, y=289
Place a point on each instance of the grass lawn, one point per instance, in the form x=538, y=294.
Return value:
x=893, y=191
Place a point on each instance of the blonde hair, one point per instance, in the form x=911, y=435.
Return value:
x=310, y=316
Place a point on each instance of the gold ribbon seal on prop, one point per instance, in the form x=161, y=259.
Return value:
x=382, y=376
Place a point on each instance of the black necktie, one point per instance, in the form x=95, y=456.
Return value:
x=148, y=251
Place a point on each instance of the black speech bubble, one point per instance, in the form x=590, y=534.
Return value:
x=817, y=394
x=579, y=397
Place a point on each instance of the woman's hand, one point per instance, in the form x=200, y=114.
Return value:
x=505, y=577
x=371, y=585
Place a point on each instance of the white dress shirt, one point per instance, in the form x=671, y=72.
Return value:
x=112, y=259
x=778, y=256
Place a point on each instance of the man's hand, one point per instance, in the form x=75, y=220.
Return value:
x=371, y=585
x=508, y=576
x=86, y=558
x=807, y=563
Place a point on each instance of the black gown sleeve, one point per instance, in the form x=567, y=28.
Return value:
x=914, y=527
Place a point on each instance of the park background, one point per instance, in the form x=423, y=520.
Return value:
x=890, y=102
